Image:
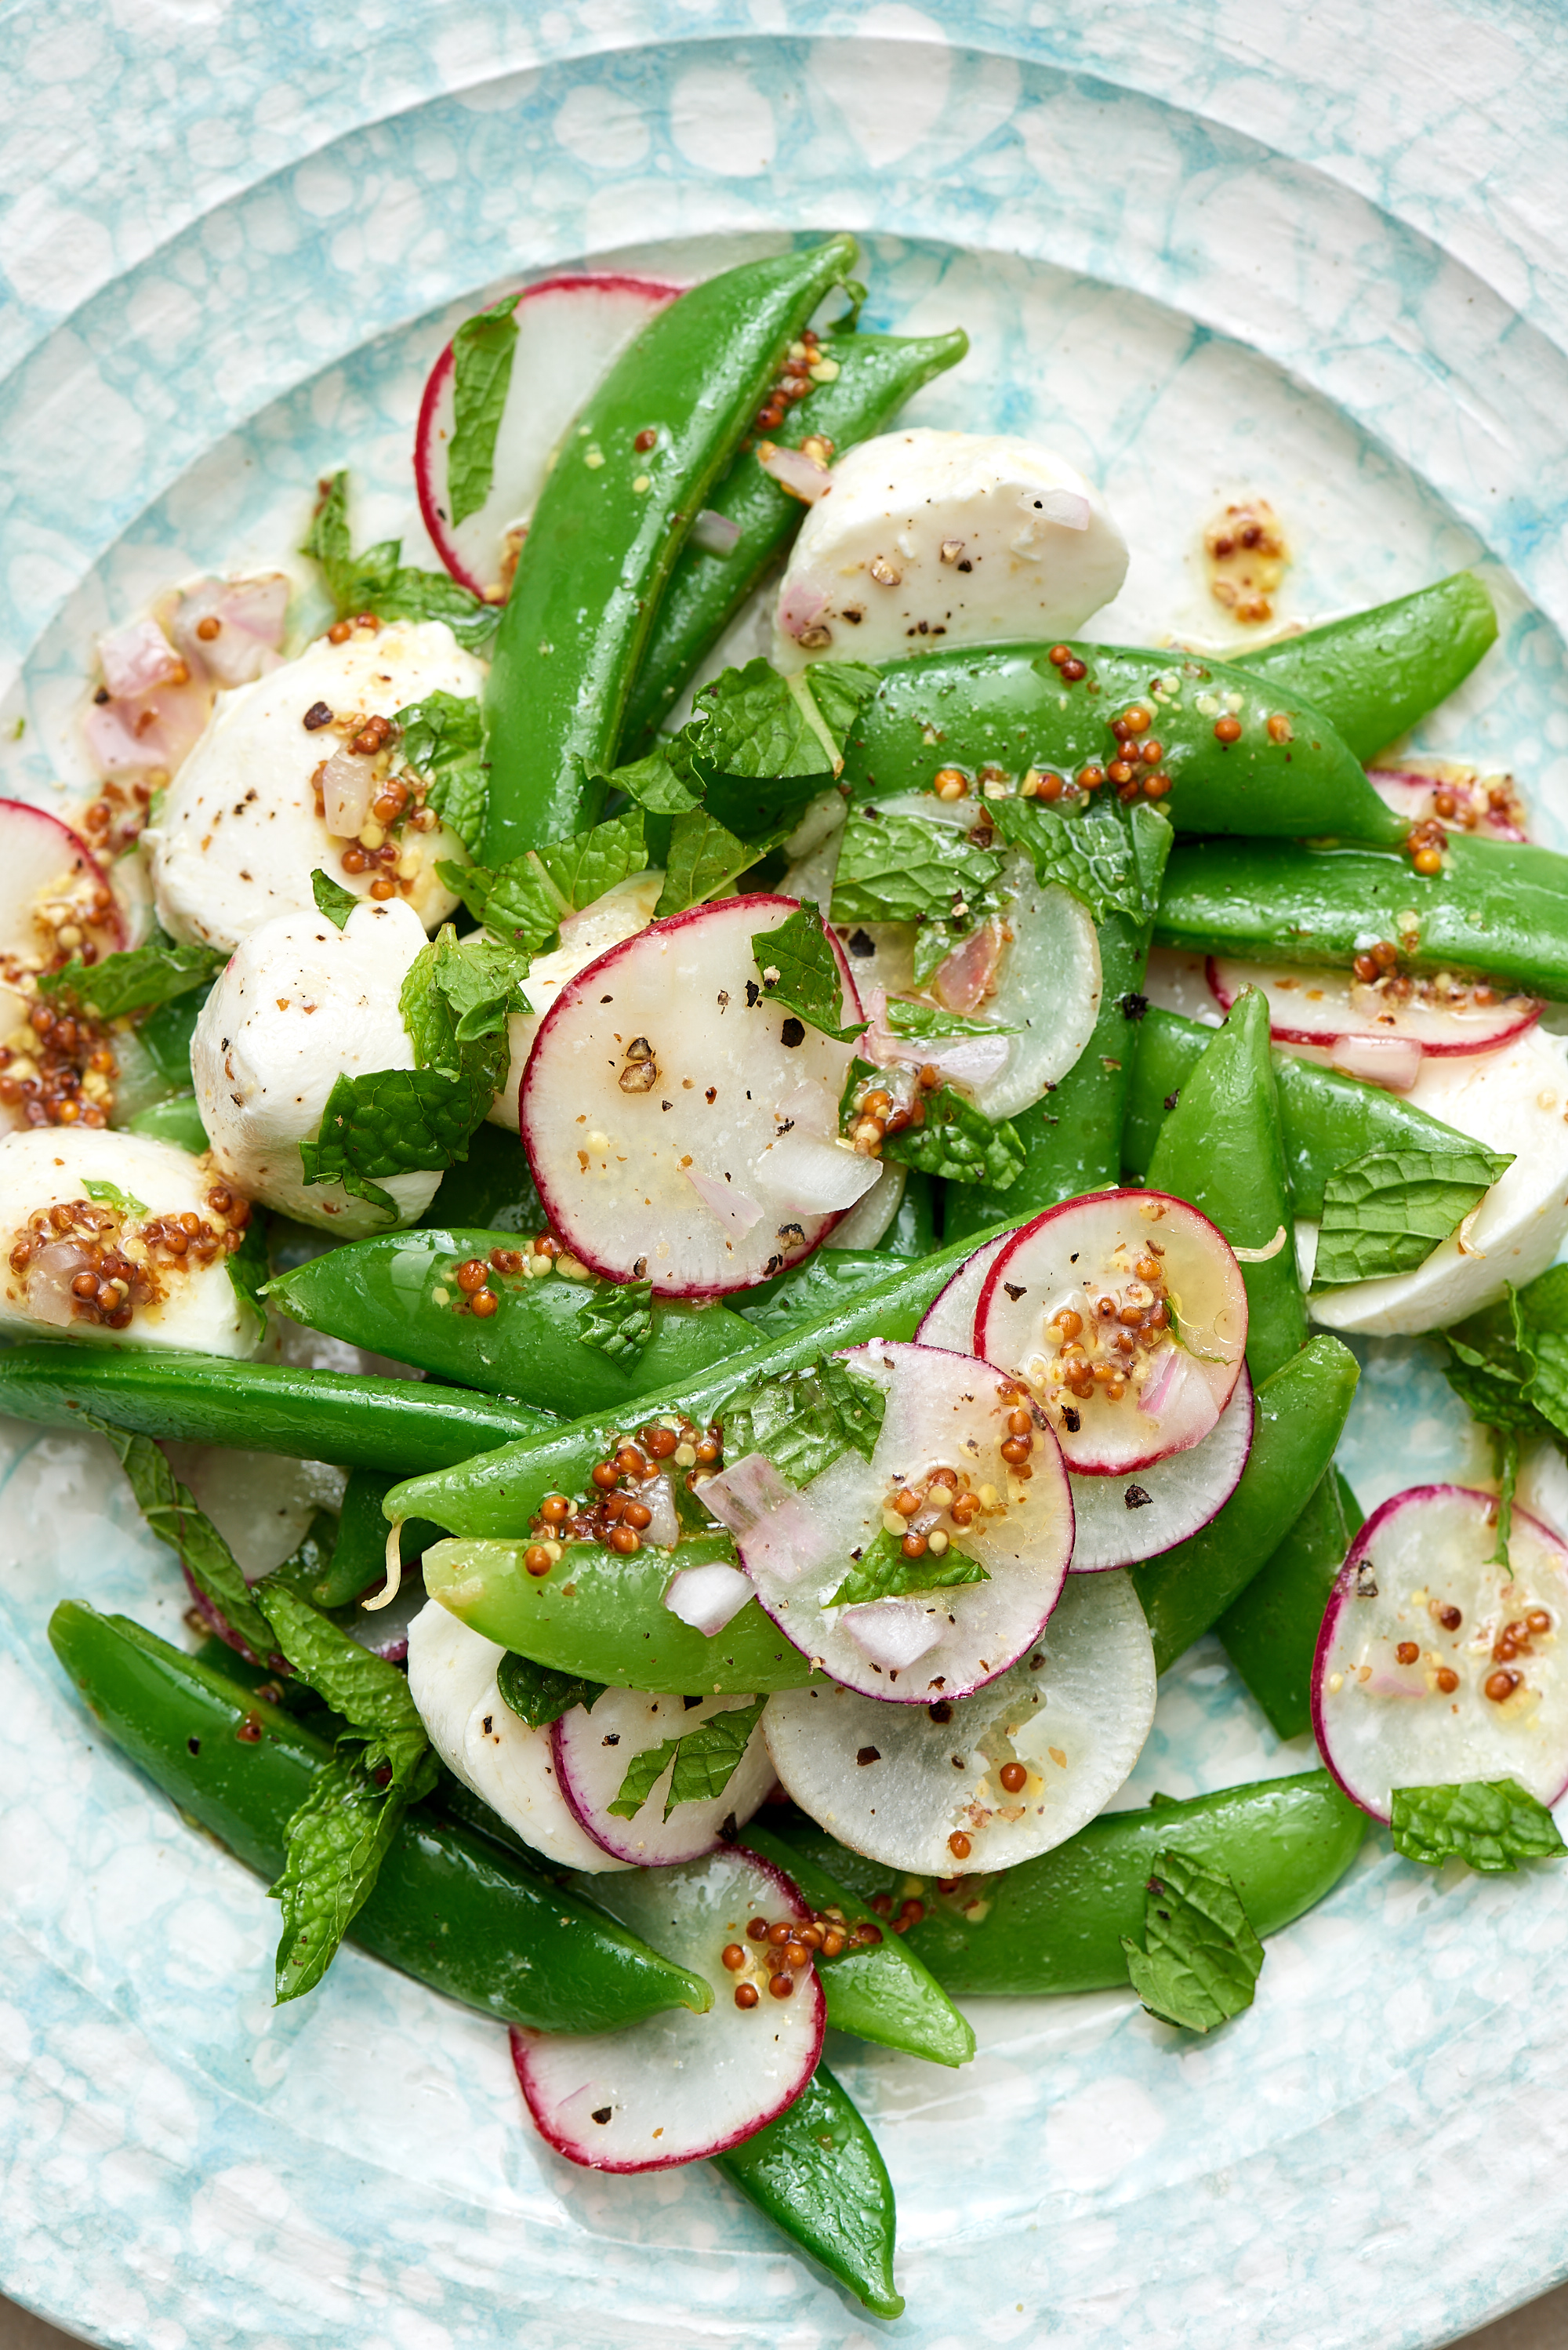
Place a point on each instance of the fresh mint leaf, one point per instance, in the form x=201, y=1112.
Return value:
x=959, y=1142
x=334, y=1847
x=909, y=868
x=539, y=1695
x=394, y=1122
x=482, y=350
x=174, y=1514
x=763, y=746
x=1110, y=857
x=656, y=784
x=583, y=868
x=704, y=858
x=800, y=970
x=841, y=690
x=706, y=1758
x=617, y=1321
x=515, y=901
x=474, y=984
x=109, y=1195
x=930, y=1024
x=805, y=1419
x=151, y=973
x=379, y=581
x=882, y=1572
x=372, y=1696
x=331, y=897
x=443, y=741
x=1491, y=1825
x=1385, y=1212
x=1201, y=1959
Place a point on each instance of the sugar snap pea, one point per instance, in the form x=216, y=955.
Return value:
x=1056, y=1923
x=1326, y=1119
x=1271, y=1631
x=449, y=1908
x=1498, y=909
x=816, y=2173
x=1236, y=752
x=627, y=483
x=875, y=375
x=1300, y=1412
x=176, y=1120
x=1373, y=673
x=310, y=1415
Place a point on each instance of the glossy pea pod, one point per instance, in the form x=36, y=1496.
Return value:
x=1373, y=673
x=1326, y=1119
x=1271, y=1632
x=1298, y=1415
x=448, y=1907
x=354, y=1420
x=876, y=375
x=1056, y=1923
x=816, y=2173
x=1223, y=1149
x=498, y=1493
x=631, y=475
x=1497, y=909
x=1220, y=749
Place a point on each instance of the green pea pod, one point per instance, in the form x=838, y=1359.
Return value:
x=884, y=1993
x=1072, y=1139
x=1373, y=673
x=1326, y=1119
x=176, y=1120
x=311, y=1415
x=449, y=1908
x=823, y=1283
x=611, y=518
x=397, y=1294
x=816, y=2173
x=602, y=1618
x=358, y=1556
x=1497, y=909
x=1271, y=1631
x=1221, y=1149
x=498, y=1493
x=1287, y=772
x=1056, y=1923
x=1300, y=1412
x=877, y=374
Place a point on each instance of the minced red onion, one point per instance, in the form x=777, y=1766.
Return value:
x=737, y=1209
x=715, y=533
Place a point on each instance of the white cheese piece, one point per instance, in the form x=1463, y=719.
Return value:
x=927, y=539
x=300, y=1003
x=1515, y=1099
x=196, y=1308
x=238, y=838
x=619, y=914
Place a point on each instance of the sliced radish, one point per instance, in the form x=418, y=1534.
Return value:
x=50, y=886
x=1462, y=799
x=594, y=1747
x=452, y=1678
x=944, y=1413
x=619, y=914
x=1439, y=1014
x=570, y=331
x=675, y=1182
x=680, y=2085
x=1121, y=1393
x=950, y=1317
x=1178, y=982
x=919, y=1788
x=1436, y=1663
x=1120, y=1519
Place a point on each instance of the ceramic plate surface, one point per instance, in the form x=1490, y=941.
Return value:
x=1207, y=251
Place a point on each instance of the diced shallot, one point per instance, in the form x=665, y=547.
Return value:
x=1391, y=1061
x=706, y=1596
x=234, y=628
x=715, y=533
x=805, y=1177
x=734, y=1207
x=776, y=1528
x=804, y=476
x=960, y=1060
x=347, y=785
x=892, y=1634
x=136, y=657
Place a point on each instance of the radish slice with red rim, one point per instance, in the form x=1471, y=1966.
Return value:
x=950, y=1317
x=1126, y=1315
x=51, y=886
x=679, y=2086
x=1438, y=1012
x=667, y=1104
x=921, y=1788
x=570, y=331
x=1121, y=1519
x=939, y=1453
x=595, y=1746
x=1436, y=1664
x=1462, y=799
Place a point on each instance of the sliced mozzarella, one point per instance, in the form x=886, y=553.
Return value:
x=238, y=838
x=300, y=1003
x=619, y=915
x=1513, y=1100
x=924, y=538
x=194, y=1307
x=452, y=1680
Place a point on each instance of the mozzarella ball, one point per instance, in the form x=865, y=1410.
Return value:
x=300, y=1003
x=619, y=914
x=925, y=539
x=238, y=835
x=126, y=1194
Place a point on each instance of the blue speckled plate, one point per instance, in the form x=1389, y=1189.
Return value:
x=1204, y=249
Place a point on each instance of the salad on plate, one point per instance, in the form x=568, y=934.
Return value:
x=775, y=1150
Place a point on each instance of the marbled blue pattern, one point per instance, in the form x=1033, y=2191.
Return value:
x=1207, y=247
